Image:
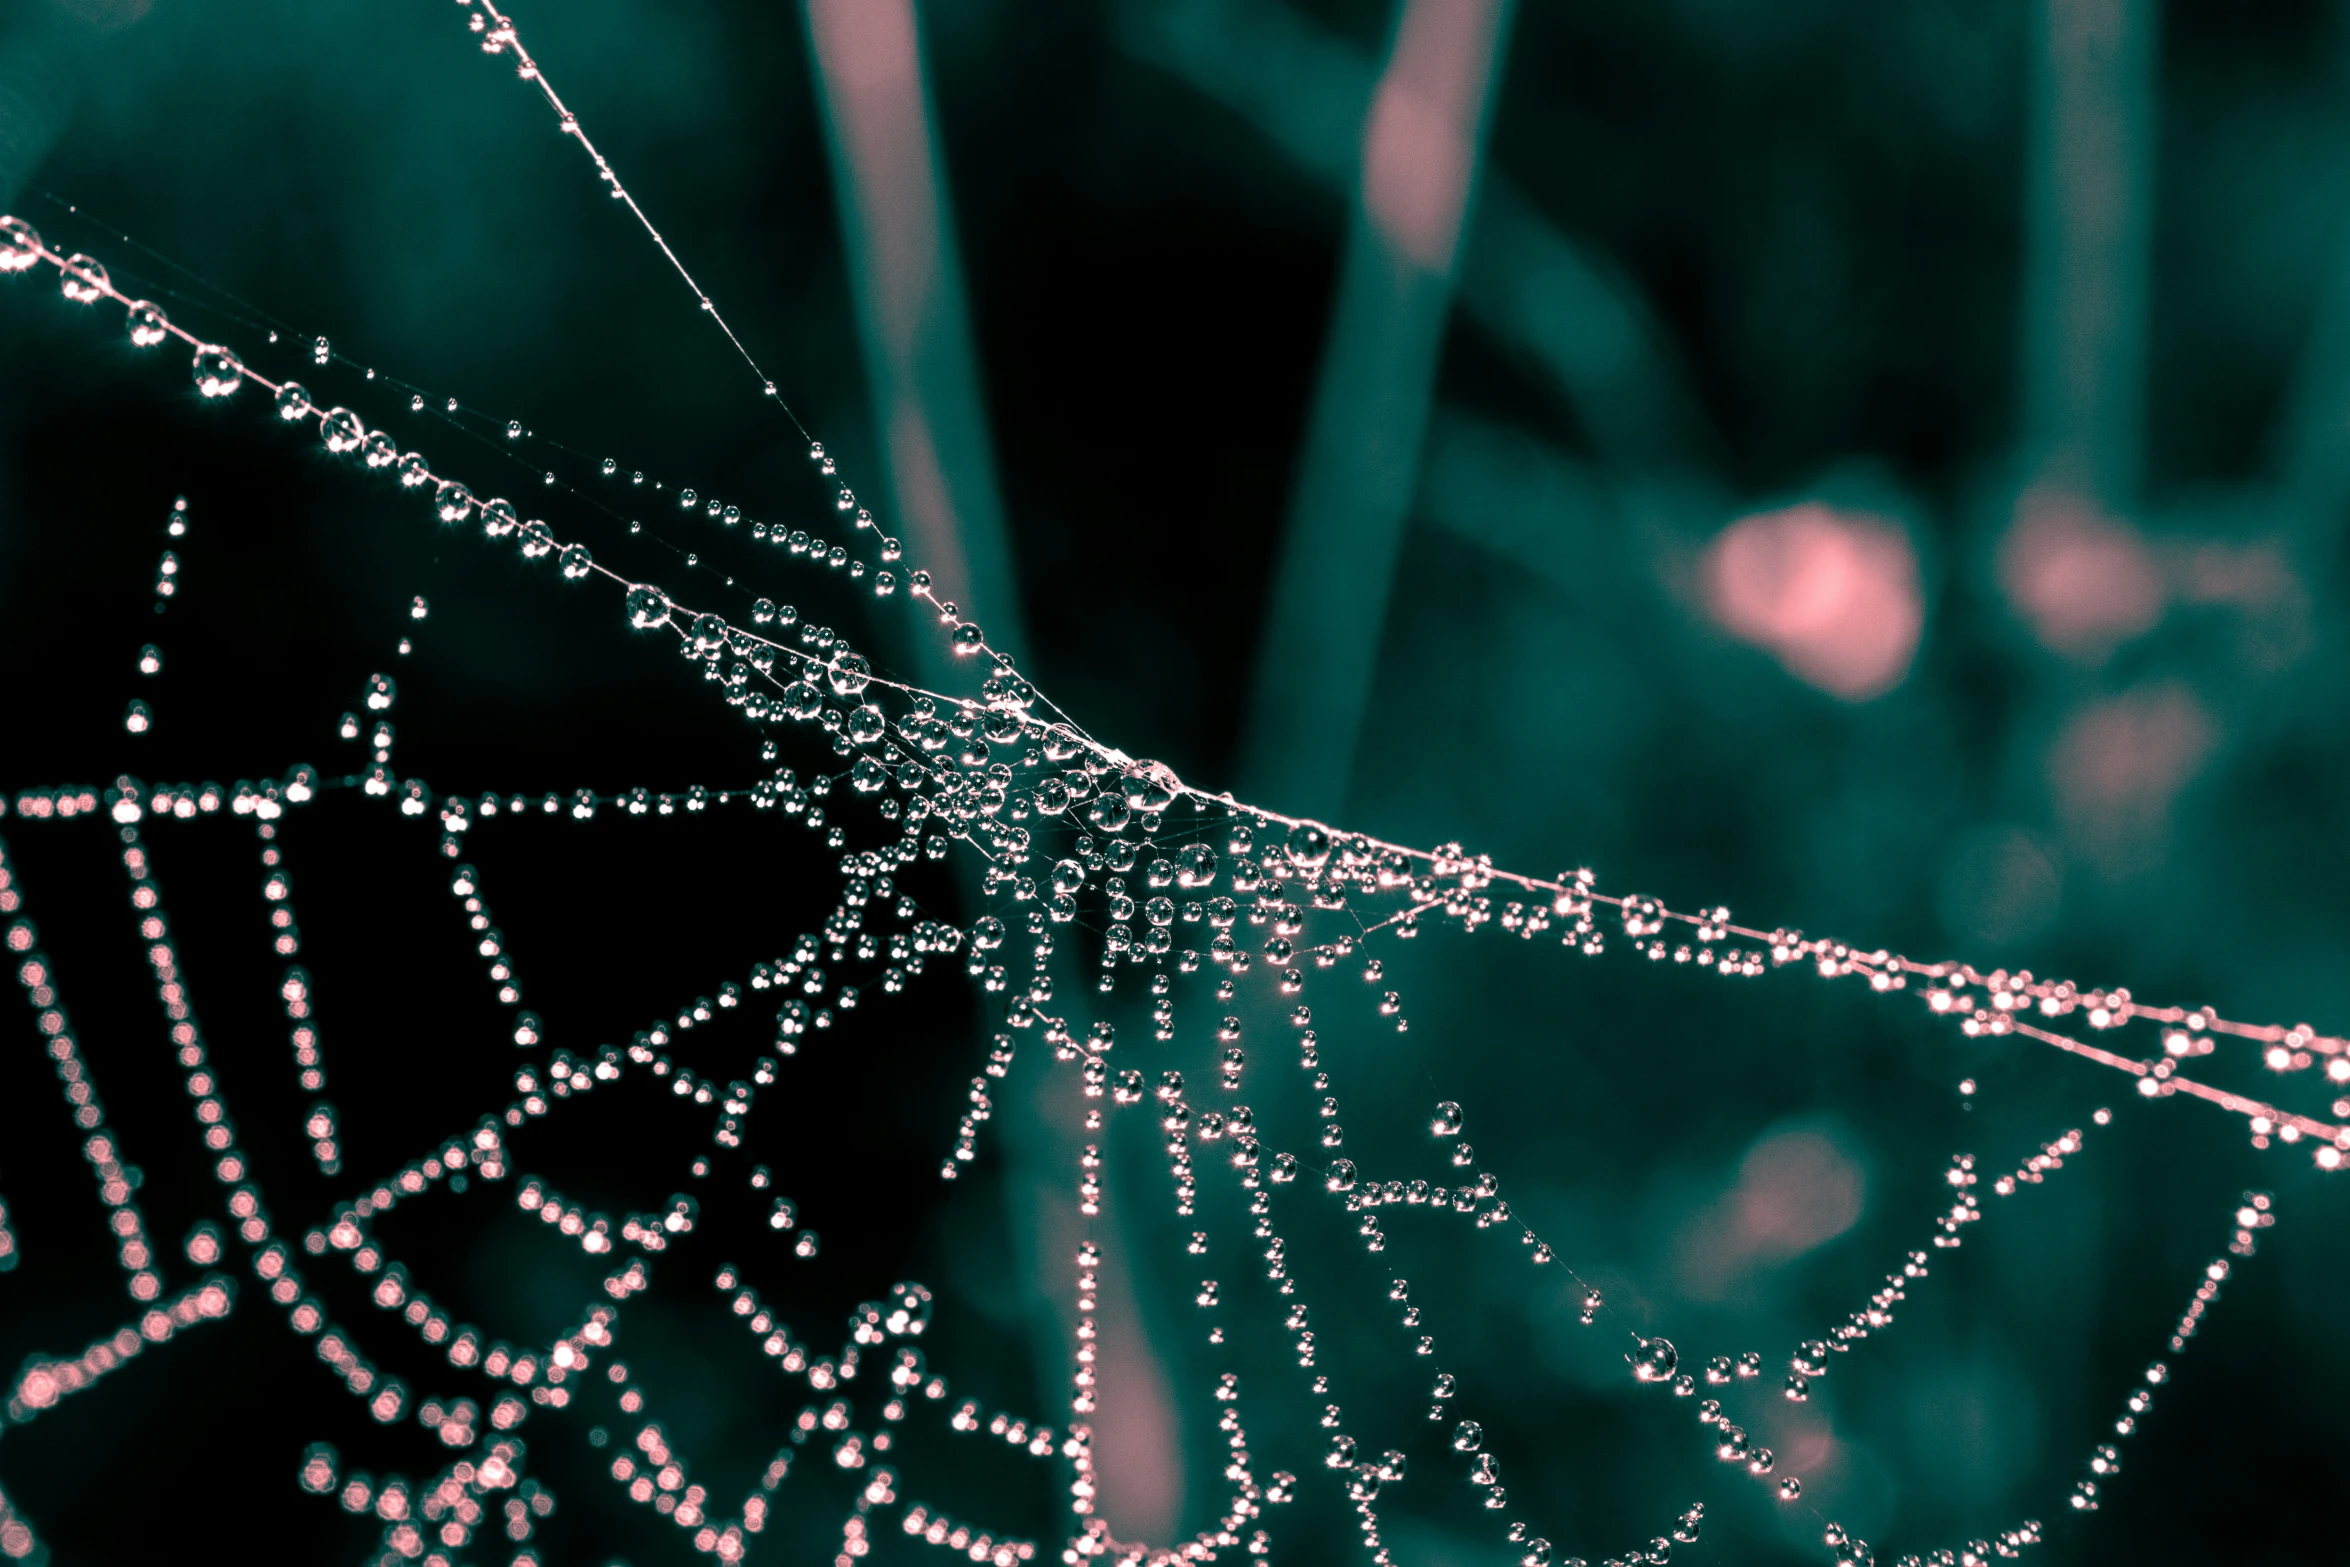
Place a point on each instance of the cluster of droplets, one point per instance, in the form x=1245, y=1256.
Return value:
x=134, y=1246
x=42, y=1383
x=451, y=1509
x=998, y=776
x=1454, y=882
x=295, y=993
x=2256, y=1211
x=489, y=944
x=137, y=716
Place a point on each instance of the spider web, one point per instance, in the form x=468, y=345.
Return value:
x=1201, y=920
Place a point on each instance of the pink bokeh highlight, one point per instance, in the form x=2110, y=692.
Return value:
x=1796, y=1191
x=1833, y=595
x=2118, y=766
x=2083, y=581
x=1419, y=143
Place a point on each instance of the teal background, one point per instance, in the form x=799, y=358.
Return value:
x=1761, y=256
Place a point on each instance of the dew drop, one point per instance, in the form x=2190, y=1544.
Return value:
x=340, y=429
x=217, y=371
x=647, y=608
x=1309, y=846
x=20, y=247
x=802, y=700
x=1654, y=1359
x=148, y=326
x=84, y=280
x=850, y=673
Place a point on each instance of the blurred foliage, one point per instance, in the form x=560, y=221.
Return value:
x=1724, y=260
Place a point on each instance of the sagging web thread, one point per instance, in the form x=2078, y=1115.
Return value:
x=1014, y=782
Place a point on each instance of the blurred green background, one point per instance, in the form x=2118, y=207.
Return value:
x=1880, y=467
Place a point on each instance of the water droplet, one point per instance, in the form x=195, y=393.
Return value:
x=577, y=562
x=647, y=607
x=340, y=429
x=20, y=247
x=137, y=717
x=850, y=673
x=148, y=325
x=150, y=660
x=1447, y=1121
x=1467, y=1437
x=83, y=280
x=802, y=700
x=217, y=371
x=1790, y=1488
x=1654, y=1359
